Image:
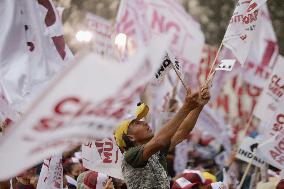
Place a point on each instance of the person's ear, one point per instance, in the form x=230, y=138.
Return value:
x=131, y=138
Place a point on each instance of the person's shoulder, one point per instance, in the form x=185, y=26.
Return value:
x=133, y=151
x=134, y=156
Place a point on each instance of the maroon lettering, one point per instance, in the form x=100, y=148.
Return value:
x=48, y=124
x=158, y=21
x=50, y=15
x=268, y=52
x=59, y=43
x=251, y=6
x=59, y=108
x=274, y=154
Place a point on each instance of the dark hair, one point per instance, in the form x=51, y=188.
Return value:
x=128, y=142
x=67, y=168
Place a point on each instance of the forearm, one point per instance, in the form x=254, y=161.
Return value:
x=169, y=129
x=163, y=137
x=186, y=126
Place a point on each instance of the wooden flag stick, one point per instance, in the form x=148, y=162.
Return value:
x=247, y=170
x=210, y=75
x=248, y=124
x=182, y=82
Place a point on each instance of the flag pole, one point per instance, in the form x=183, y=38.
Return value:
x=247, y=170
x=248, y=124
x=181, y=80
x=214, y=62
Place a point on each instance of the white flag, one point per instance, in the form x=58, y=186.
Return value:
x=51, y=174
x=272, y=150
x=101, y=28
x=263, y=51
x=139, y=18
x=241, y=30
x=103, y=156
x=226, y=65
x=214, y=123
x=33, y=47
x=166, y=66
x=82, y=102
x=273, y=93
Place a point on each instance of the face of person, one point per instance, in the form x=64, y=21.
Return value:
x=140, y=132
x=76, y=170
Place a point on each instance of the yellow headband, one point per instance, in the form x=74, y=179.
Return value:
x=141, y=111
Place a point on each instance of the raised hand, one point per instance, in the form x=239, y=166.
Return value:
x=109, y=184
x=204, y=94
x=192, y=100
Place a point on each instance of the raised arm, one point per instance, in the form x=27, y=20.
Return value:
x=163, y=137
x=189, y=122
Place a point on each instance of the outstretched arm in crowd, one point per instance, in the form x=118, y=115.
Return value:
x=189, y=122
x=163, y=137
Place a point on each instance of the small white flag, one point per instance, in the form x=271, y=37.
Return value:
x=182, y=182
x=226, y=65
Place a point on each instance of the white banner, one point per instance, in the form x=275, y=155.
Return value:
x=82, y=102
x=156, y=17
x=263, y=51
x=214, y=124
x=272, y=95
x=103, y=156
x=277, y=123
x=272, y=150
x=166, y=66
x=241, y=30
x=51, y=174
x=245, y=152
x=102, y=30
x=226, y=65
x=32, y=46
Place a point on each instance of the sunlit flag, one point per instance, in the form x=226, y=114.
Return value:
x=84, y=36
x=120, y=41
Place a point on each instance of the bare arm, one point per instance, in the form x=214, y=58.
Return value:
x=163, y=137
x=190, y=121
x=186, y=127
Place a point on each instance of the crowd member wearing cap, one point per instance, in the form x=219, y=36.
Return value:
x=94, y=180
x=144, y=164
x=280, y=185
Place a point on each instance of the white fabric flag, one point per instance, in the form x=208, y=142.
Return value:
x=51, y=174
x=263, y=51
x=6, y=110
x=214, y=124
x=166, y=66
x=259, y=63
x=226, y=65
x=34, y=48
x=103, y=156
x=139, y=18
x=80, y=103
x=13, y=49
x=131, y=21
x=101, y=28
x=276, y=124
x=272, y=150
x=272, y=94
x=241, y=30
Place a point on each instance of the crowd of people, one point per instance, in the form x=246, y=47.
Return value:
x=151, y=159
